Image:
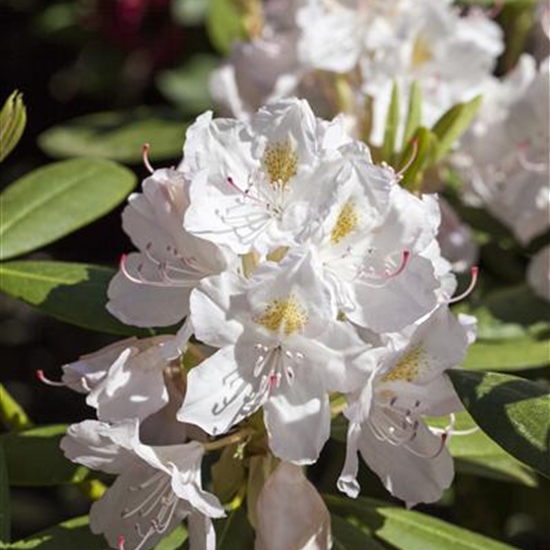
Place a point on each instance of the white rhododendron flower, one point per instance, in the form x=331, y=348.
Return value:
x=504, y=158
x=291, y=513
x=538, y=273
x=153, y=285
x=386, y=424
x=281, y=348
x=156, y=488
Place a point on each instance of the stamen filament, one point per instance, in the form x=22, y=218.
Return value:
x=474, y=271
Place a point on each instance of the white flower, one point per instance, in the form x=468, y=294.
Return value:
x=291, y=515
x=538, y=273
x=386, y=424
x=156, y=487
x=252, y=184
x=126, y=379
x=504, y=159
x=280, y=347
x=153, y=285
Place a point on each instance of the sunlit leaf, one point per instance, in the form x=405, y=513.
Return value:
x=225, y=24
x=12, y=415
x=118, y=136
x=13, y=118
x=512, y=411
x=346, y=536
x=56, y=200
x=74, y=293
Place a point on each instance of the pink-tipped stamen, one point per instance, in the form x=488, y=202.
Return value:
x=438, y=451
x=404, y=261
x=42, y=377
x=125, y=272
x=474, y=272
x=121, y=542
x=145, y=155
x=526, y=163
x=412, y=158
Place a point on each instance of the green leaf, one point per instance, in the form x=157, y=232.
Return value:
x=187, y=86
x=346, y=536
x=74, y=293
x=33, y=458
x=478, y=454
x=414, y=117
x=13, y=118
x=392, y=124
x=453, y=124
x=56, y=200
x=174, y=540
x=118, y=136
x=512, y=411
x=225, y=24
x=234, y=532
x=419, y=149
x=190, y=12
x=408, y=530
x=5, y=511
x=12, y=414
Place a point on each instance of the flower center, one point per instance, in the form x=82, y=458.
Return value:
x=407, y=368
x=421, y=53
x=280, y=161
x=284, y=315
x=346, y=222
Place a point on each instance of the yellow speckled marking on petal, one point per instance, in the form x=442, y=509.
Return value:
x=421, y=51
x=280, y=161
x=345, y=223
x=286, y=314
x=407, y=368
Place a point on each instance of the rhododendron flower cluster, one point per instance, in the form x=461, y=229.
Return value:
x=314, y=283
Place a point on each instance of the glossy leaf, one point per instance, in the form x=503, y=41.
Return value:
x=512, y=411
x=5, y=508
x=118, y=136
x=33, y=458
x=346, y=536
x=70, y=292
x=225, y=24
x=453, y=124
x=13, y=118
x=187, y=86
x=409, y=530
x=56, y=200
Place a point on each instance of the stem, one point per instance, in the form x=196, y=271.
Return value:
x=237, y=437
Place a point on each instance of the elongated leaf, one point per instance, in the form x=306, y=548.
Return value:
x=419, y=150
x=392, y=124
x=408, y=530
x=12, y=415
x=56, y=200
x=512, y=411
x=5, y=511
x=13, y=118
x=453, y=124
x=74, y=293
x=346, y=536
x=414, y=117
x=187, y=87
x=476, y=453
x=118, y=136
x=234, y=532
x=225, y=24
x=34, y=458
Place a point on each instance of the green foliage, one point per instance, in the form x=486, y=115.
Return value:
x=12, y=415
x=346, y=536
x=512, y=411
x=13, y=118
x=225, y=23
x=406, y=529
x=414, y=115
x=74, y=293
x=33, y=458
x=190, y=12
x=118, y=136
x=187, y=86
x=56, y=200
x=5, y=508
x=234, y=532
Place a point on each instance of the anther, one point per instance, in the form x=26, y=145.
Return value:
x=474, y=272
x=526, y=163
x=40, y=375
x=145, y=156
x=412, y=158
x=404, y=260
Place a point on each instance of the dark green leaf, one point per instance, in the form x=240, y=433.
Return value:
x=346, y=536
x=234, y=532
x=34, y=458
x=13, y=118
x=392, y=124
x=74, y=293
x=225, y=24
x=56, y=200
x=512, y=411
x=187, y=86
x=414, y=117
x=5, y=512
x=419, y=149
x=118, y=136
x=408, y=530
x=453, y=124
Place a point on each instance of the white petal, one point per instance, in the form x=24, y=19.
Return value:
x=202, y=535
x=347, y=481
